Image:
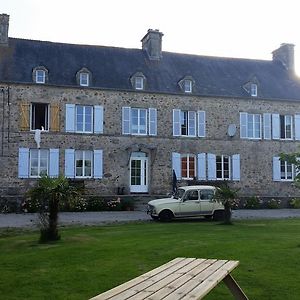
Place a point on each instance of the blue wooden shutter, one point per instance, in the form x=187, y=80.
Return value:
x=176, y=122
x=126, y=120
x=201, y=124
x=276, y=168
x=53, y=162
x=152, y=121
x=243, y=125
x=297, y=127
x=98, y=163
x=201, y=166
x=236, y=173
x=267, y=126
x=23, y=162
x=275, y=126
x=70, y=163
x=192, y=123
x=176, y=164
x=211, y=166
x=98, y=119
x=70, y=118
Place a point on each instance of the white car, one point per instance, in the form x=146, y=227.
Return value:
x=187, y=202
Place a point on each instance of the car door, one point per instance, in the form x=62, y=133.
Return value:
x=190, y=204
x=206, y=201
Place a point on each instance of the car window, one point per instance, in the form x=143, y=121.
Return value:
x=206, y=194
x=178, y=194
x=191, y=195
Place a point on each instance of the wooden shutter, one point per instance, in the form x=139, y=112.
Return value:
x=211, y=166
x=267, y=126
x=54, y=117
x=243, y=125
x=176, y=164
x=201, y=124
x=297, y=127
x=236, y=173
x=176, y=123
x=276, y=168
x=152, y=121
x=53, y=162
x=126, y=120
x=24, y=116
x=201, y=166
x=98, y=164
x=276, y=126
x=23, y=163
x=70, y=163
x=98, y=119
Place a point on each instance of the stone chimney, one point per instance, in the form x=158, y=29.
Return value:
x=285, y=54
x=4, y=21
x=151, y=42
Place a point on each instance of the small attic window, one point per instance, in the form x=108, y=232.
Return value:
x=84, y=77
x=138, y=81
x=253, y=89
x=40, y=75
x=186, y=84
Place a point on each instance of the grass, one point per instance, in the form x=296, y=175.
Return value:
x=90, y=260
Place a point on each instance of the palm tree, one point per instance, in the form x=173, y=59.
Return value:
x=228, y=198
x=50, y=193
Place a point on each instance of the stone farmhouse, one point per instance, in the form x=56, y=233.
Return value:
x=121, y=120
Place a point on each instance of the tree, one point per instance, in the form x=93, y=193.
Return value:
x=228, y=197
x=293, y=158
x=49, y=194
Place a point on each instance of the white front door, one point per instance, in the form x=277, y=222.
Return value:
x=138, y=172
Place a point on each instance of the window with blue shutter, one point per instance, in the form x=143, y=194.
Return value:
x=201, y=166
x=297, y=127
x=98, y=164
x=243, y=125
x=53, y=162
x=191, y=123
x=201, y=124
x=176, y=122
x=267, y=126
x=276, y=168
x=98, y=119
x=152, y=121
x=70, y=117
x=211, y=166
x=126, y=124
x=176, y=164
x=23, y=163
x=275, y=126
x=236, y=167
x=70, y=163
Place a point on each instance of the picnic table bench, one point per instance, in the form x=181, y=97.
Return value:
x=180, y=278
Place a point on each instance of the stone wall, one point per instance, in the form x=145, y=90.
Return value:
x=256, y=156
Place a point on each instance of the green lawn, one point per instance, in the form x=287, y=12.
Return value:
x=90, y=260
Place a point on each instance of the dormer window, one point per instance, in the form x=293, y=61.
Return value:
x=186, y=84
x=138, y=81
x=84, y=79
x=40, y=75
x=253, y=90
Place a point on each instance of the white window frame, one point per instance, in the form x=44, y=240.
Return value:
x=285, y=127
x=140, y=127
x=83, y=121
x=253, y=89
x=222, y=167
x=39, y=162
x=188, y=114
x=253, y=117
x=188, y=86
x=285, y=172
x=139, y=83
x=32, y=114
x=40, y=76
x=84, y=79
x=84, y=154
x=188, y=156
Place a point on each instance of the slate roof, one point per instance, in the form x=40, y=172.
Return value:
x=112, y=67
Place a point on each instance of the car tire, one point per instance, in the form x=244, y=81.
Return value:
x=166, y=216
x=218, y=215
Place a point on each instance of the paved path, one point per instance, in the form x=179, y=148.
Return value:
x=107, y=217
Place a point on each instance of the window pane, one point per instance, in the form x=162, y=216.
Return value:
x=143, y=117
x=39, y=116
x=184, y=167
x=288, y=127
x=184, y=122
x=191, y=167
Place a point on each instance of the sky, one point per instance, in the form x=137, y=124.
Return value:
x=227, y=28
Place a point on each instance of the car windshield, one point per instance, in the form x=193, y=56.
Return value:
x=178, y=194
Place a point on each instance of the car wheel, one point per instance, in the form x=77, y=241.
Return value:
x=166, y=216
x=218, y=215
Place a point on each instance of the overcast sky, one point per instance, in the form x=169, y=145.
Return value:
x=233, y=28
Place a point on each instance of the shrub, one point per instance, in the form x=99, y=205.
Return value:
x=295, y=203
x=96, y=204
x=127, y=203
x=252, y=202
x=273, y=203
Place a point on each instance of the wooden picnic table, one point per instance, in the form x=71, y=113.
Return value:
x=181, y=278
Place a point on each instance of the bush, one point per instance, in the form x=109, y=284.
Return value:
x=273, y=203
x=252, y=202
x=96, y=204
x=127, y=203
x=295, y=203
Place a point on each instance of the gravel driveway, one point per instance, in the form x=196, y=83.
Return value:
x=107, y=217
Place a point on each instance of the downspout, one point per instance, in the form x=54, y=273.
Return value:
x=2, y=127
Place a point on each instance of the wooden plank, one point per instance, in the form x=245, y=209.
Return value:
x=235, y=289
